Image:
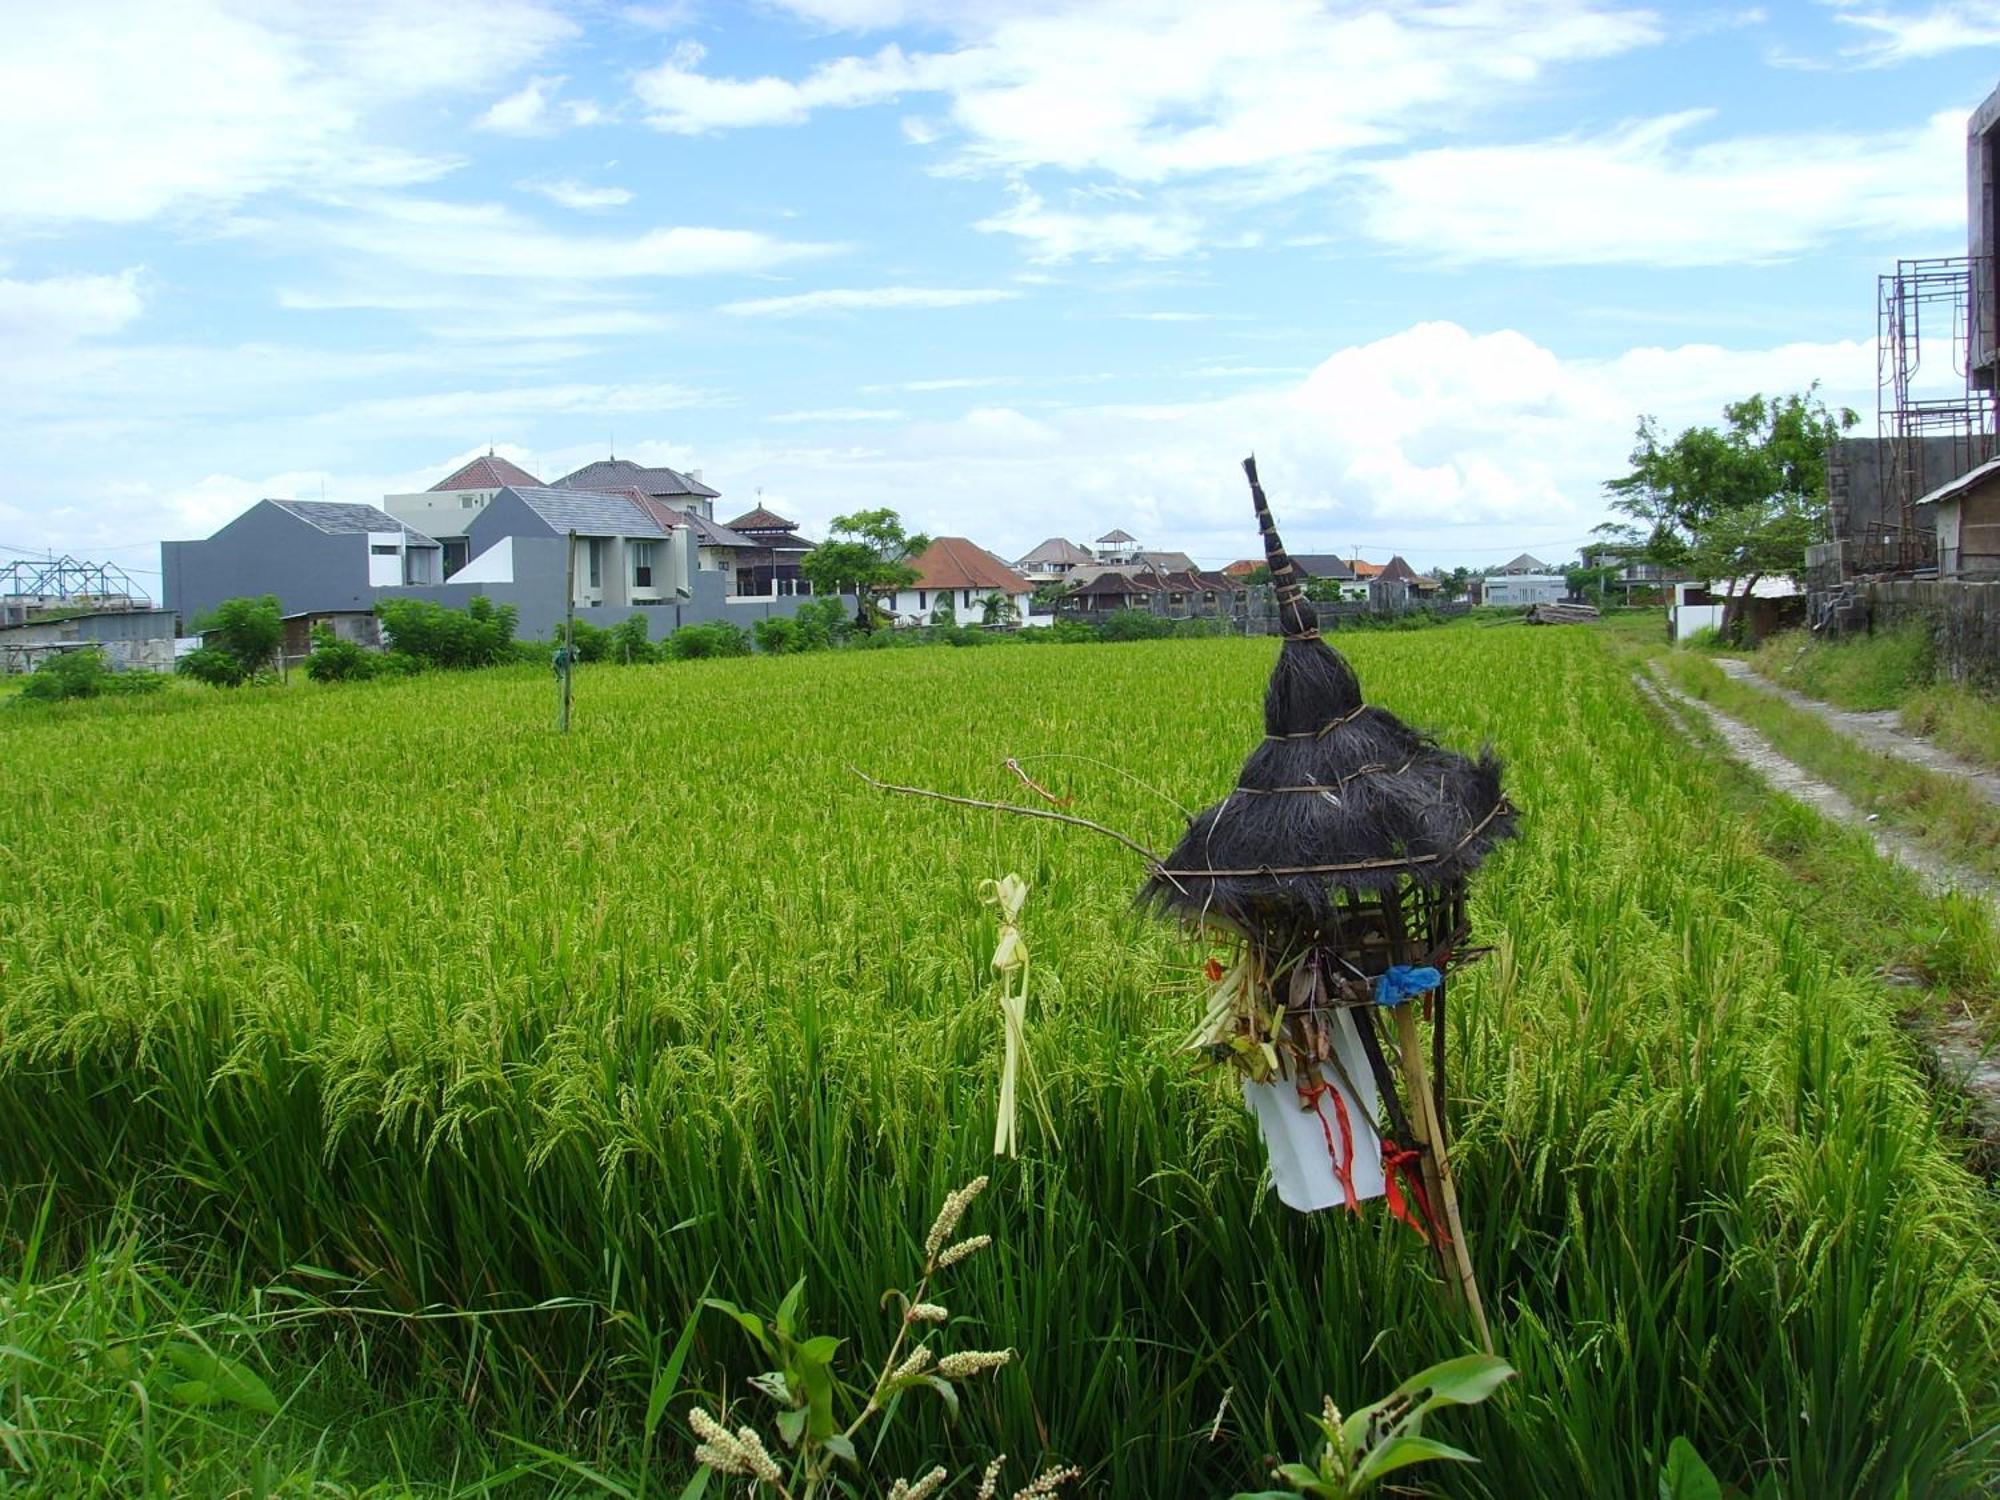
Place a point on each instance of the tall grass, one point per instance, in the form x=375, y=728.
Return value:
x=395, y=989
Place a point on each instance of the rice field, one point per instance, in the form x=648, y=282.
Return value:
x=416, y=1009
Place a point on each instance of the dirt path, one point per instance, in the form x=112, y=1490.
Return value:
x=1877, y=730
x=1956, y=1051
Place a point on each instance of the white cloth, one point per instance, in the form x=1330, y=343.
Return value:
x=1295, y=1137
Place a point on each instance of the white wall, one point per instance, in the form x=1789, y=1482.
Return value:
x=494, y=565
x=966, y=605
x=1524, y=588
x=438, y=513
x=385, y=568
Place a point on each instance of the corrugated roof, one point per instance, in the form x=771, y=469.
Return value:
x=486, y=472
x=955, y=562
x=1963, y=483
x=1057, y=550
x=614, y=473
x=346, y=517
x=588, y=512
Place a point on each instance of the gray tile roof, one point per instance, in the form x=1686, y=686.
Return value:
x=586, y=512
x=345, y=517
x=1057, y=550
x=708, y=534
x=1322, y=565
x=613, y=473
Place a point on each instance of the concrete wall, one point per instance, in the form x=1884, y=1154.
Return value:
x=140, y=640
x=1963, y=619
x=1857, y=498
x=266, y=551
x=1524, y=588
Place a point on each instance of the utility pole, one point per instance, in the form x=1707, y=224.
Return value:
x=569, y=632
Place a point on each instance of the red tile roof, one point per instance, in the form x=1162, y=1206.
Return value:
x=953, y=562
x=486, y=472
x=761, y=519
x=1243, y=567
x=1365, y=569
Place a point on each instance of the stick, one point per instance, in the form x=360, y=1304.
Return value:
x=569, y=631
x=1456, y=1261
x=1011, y=807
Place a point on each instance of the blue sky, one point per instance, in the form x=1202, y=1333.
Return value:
x=1013, y=269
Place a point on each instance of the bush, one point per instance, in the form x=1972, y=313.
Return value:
x=630, y=643
x=480, y=635
x=715, y=638
x=592, y=643
x=336, y=660
x=823, y=622
x=239, y=640
x=84, y=674
x=777, y=636
x=1708, y=638
x=1135, y=625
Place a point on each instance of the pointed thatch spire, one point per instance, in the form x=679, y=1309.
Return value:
x=1339, y=796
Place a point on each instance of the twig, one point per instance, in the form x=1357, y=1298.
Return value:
x=1012, y=807
x=1035, y=786
x=1091, y=760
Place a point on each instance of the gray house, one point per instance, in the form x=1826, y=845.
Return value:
x=683, y=492
x=313, y=554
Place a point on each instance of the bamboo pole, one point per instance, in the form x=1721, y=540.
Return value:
x=1455, y=1260
x=569, y=632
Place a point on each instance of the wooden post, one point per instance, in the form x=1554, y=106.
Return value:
x=1455, y=1261
x=569, y=633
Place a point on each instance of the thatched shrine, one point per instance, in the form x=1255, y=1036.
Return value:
x=1338, y=864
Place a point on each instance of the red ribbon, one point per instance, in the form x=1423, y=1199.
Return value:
x=1343, y=1157
x=1403, y=1162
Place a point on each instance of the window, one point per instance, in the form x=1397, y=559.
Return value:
x=384, y=549
x=596, y=549
x=642, y=565
x=968, y=598
x=468, y=502
x=923, y=600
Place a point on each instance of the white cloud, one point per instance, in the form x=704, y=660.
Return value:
x=1644, y=194
x=1064, y=234
x=1895, y=36
x=857, y=299
x=947, y=383
x=534, y=109
x=475, y=239
x=840, y=414
x=119, y=112
x=436, y=410
x=579, y=195
x=681, y=99
x=36, y=314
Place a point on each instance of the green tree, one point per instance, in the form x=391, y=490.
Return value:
x=480, y=635
x=239, y=639
x=866, y=553
x=997, y=609
x=337, y=660
x=1734, y=504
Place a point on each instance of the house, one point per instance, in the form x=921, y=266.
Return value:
x=357, y=625
x=312, y=554
x=1967, y=512
x=1186, y=594
x=137, y=639
x=1116, y=547
x=445, y=511
x=626, y=554
x=684, y=492
x=769, y=566
x=1363, y=569
x=1335, y=575
x=1243, y=567
x=1053, y=561
x=955, y=576
x=1396, y=570
x=1523, y=588
x=1524, y=564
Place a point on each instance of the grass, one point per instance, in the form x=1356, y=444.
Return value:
x=510, y=1047
x=1892, y=669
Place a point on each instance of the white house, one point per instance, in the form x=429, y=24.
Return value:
x=448, y=508
x=1525, y=588
x=955, y=576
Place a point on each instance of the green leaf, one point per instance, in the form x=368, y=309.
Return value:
x=1686, y=1477
x=819, y=1397
x=697, y=1484
x=216, y=1378
x=1401, y=1452
x=1459, y=1382
x=840, y=1447
x=789, y=1309
x=820, y=1350
x=791, y=1426
x=945, y=1389
x=750, y=1322
x=665, y=1383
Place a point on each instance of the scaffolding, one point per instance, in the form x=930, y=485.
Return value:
x=1934, y=409
x=35, y=587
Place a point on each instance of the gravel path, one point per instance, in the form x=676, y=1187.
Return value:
x=1877, y=730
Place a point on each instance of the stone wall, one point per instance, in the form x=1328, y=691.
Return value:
x=1963, y=619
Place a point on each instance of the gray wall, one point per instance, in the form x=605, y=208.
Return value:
x=1857, y=499
x=1963, y=619
x=266, y=551
x=540, y=569
x=141, y=638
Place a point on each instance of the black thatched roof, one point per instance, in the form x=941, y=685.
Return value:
x=1339, y=796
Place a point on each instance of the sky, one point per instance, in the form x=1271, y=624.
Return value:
x=1014, y=269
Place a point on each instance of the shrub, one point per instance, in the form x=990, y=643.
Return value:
x=630, y=642
x=239, y=639
x=592, y=642
x=480, y=635
x=1135, y=625
x=336, y=660
x=84, y=674
x=715, y=638
x=777, y=636
x=1708, y=638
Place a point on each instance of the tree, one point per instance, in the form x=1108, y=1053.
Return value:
x=481, y=635
x=996, y=609
x=1734, y=504
x=239, y=639
x=868, y=553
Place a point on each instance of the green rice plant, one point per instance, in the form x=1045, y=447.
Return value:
x=521, y=1040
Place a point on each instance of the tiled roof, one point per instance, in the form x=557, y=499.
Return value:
x=953, y=562
x=1322, y=565
x=1526, y=563
x=588, y=512
x=1396, y=568
x=1363, y=569
x=345, y=517
x=1243, y=567
x=761, y=519
x=614, y=473
x=1057, y=550
x=1118, y=537
x=487, y=472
